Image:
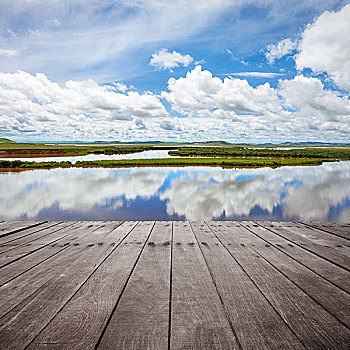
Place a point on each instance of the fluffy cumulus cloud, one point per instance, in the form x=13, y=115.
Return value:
x=8, y=52
x=295, y=193
x=282, y=48
x=74, y=189
x=32, y=104
x=163, y=59
x=301, y=106
x=199, y=93
x=202, y=106
x=304, y=193
x=325, y=46
x=268, y=75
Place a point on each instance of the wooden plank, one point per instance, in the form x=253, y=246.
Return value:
x=255, y=321
x=198, y=319
x=333, y=299
x=9, y=228
x=341, y=230
x=313, y=325
x=50, y=299
x=13, y=255
x=288, y=231
x=17, y=290
x=332, y=273
x=314, y=235
x=28, y=239
x=80, y=323
x=10, y=239
x=141, y=317
x=30, y=261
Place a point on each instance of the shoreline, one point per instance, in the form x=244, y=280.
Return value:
x=165, y=162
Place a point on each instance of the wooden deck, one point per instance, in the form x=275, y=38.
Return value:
x=174, y=285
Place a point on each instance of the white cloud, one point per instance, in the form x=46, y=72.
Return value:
x=74, y=189
x=198, y=194
x=34, y=105
x=325, y=46
x=204, y=194
x=37, y=93
x=300, y=108
x=267, y=75
x=8, y=52
x=309, y=96
x=79, y=37
x=199, y=93
x=163, y=59
x=282, y=48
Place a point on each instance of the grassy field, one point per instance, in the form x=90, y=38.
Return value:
x=49, y=150
x=308, y=152
x=224, y=156
x=222, y=162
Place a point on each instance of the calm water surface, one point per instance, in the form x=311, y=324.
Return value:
x=139, y=155
x=320, y=193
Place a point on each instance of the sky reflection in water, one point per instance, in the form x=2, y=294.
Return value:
x=289, y=193
x=73, y=159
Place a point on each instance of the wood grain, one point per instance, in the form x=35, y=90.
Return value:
x=180, y=285
x=341, y=230
x=313, y=325
x=325, y=268
x=255, y=321
x=14, y=236
x=141, y=318
x=198, y=318
x=54, y=295
x=333, y=299
x=9, y=228
x=81, y=321
x=292, y=233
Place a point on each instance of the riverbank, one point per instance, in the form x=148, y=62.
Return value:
x=308, y=152
x=222, y=162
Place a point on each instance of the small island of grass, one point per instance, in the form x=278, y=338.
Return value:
x=222, y=162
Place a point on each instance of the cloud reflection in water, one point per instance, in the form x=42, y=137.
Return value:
x=304, y=193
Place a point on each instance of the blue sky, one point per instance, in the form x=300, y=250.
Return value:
x=175, y=70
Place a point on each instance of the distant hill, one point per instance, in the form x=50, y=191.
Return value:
x=3, y=140
x=311, y=143
x=213, y=143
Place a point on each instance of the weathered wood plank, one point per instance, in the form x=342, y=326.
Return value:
x=30, y=261
x=141, y=318
x=9, y=228
x=81, y=321
x=313, y=325
x=255, y=321
x=316, y=236
x=288, y=231
x=332, y=273
x=333, y=299
x=341, y=230
x=54, y=295
x=198, y=319
x=78, y=244
x=11, y=239
x=13, y=255
x=28, y=239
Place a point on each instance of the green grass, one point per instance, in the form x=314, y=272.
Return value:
x=43, y=150
x=309, y=152
x=222, y=162
x=3, y=140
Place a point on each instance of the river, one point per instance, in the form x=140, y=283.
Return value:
x=319, y=193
